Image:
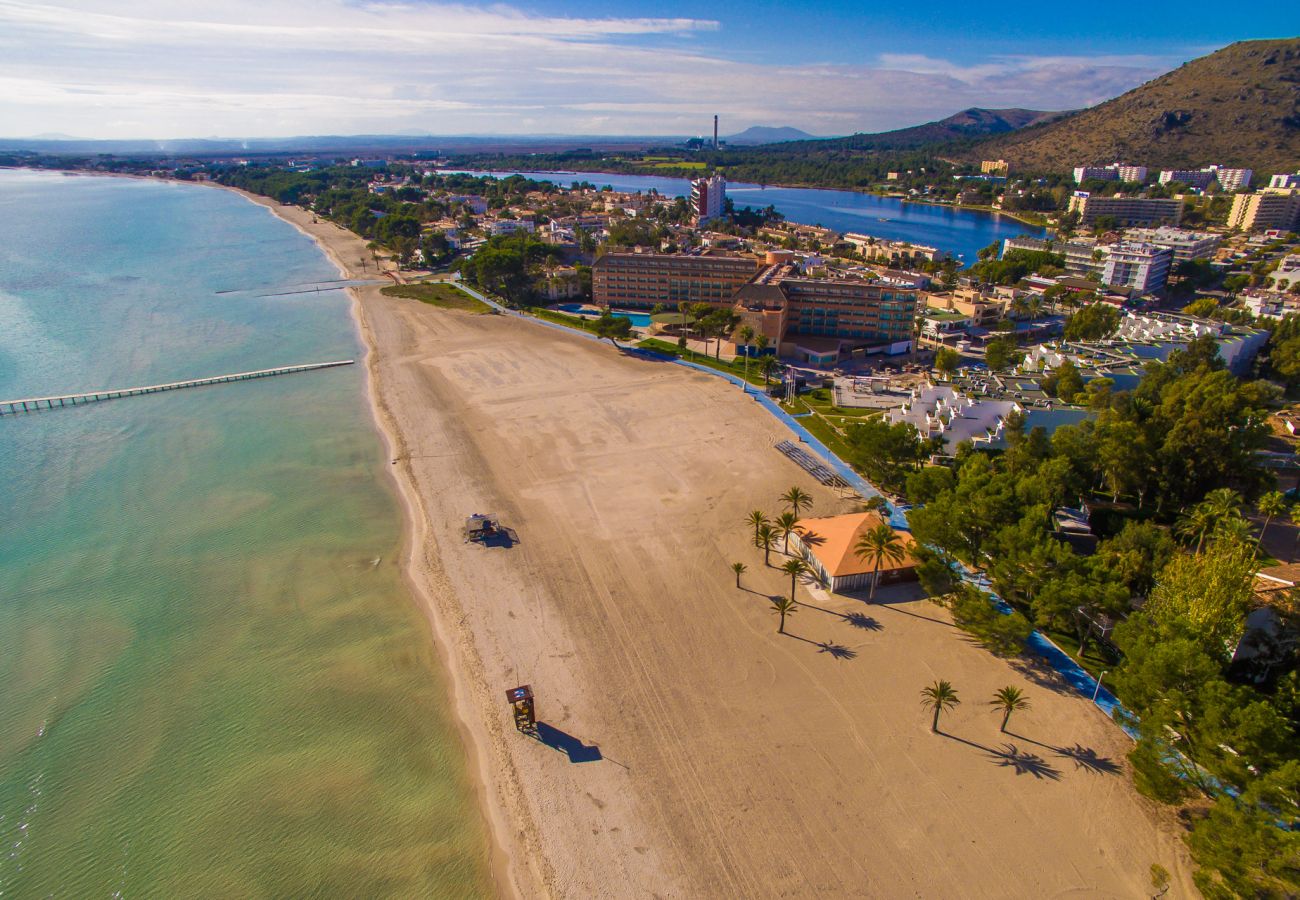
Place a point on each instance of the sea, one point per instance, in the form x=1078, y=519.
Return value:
x=213, y=681
x=961, y=232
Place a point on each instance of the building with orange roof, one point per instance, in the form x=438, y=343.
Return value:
x=827, y=545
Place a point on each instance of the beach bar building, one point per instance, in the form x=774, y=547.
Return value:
x=827, y=546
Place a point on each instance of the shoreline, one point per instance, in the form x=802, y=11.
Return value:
x=502, y=855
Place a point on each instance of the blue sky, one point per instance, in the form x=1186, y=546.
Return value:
x=245, y=68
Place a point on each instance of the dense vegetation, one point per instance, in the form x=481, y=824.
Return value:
x=1169, y=465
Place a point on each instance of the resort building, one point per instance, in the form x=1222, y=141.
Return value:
x=1083, y=256
x=818, y=319
x=1233, y=179
x=707, y=196
x=1125, y=210
x=1112, y=172
x=894, y=252
x=1285, y=181
x=1142, y=267
x=828, y=546
x=1196, y=178
x=1186, y=245
x=1273, y=207
x=995, y=167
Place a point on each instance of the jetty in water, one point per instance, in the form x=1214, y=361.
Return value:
x=34, y=404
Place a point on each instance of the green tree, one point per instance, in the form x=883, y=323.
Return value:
x=615, y=328
x=939, y=697
x=1092, y=323
x=946, y=360
x=1006, y=701
x=786, y=524
x=765, y=539
x=878, y=545
x=794, y=568
x=784, y=606
x=797, y=499
x=1002, y=353
x=1271, y=505
x=739, y=568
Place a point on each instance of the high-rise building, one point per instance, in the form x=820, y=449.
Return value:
x=1233, y=179
x=1112, y=172
x=1125, y=210
x=995, y=167
x=1229, y=179
x=1142, y=267
x=1285, y=181
x=707, y=196
x=1272, y=207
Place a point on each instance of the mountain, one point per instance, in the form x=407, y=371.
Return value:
x=764, y=134
x=968, y=123
x=1239, y=106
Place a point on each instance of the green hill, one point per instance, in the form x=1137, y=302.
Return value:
x=1239, y=106
x=968, y=123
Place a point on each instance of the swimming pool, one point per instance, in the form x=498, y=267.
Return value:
x=639, y=319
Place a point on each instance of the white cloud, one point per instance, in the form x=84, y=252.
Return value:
x=242, y=68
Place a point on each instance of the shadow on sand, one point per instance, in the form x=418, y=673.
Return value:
x=1022, y=762
x=839, y=651
x=1085, y=758
x=856, y=619
x=577, y=751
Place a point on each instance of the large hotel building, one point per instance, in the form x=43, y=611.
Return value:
x=819, y=319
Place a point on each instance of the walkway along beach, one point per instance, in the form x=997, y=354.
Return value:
x=687, y=749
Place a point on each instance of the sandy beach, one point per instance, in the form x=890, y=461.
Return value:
x=688, y=749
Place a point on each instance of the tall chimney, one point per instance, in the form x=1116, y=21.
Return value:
x=715, y=132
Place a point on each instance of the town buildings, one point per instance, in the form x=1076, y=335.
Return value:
x=995, y=167
x=895, y=252
x=1272, y=207
x=1125, y=210
x=707, y=196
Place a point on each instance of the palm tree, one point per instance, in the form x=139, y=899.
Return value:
x=939, y=696
x=745, y=334
x=766, y=539
x=1198, y=523
x=785, y=525
x=877, y=545
x=796, y=498
x=794, y=568
x=1236, y=530
x=756, y=519
x=1271, y=505
x=770, y=366
x=739, y=568
x=784, y=606
x=1223, y=503
x=1008, y=700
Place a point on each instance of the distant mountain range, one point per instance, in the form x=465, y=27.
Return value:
x=764, y=134
x=973, y=122
x=1239, y=106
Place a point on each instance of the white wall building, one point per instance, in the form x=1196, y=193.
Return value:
x=1185, y=244
x=1112, y=172
x=1285, y=181
x=1142, y=267
x=707, y=196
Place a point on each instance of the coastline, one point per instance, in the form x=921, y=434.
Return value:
x=503, y=853
x=716, y=737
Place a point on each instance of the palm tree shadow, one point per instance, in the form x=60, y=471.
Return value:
x=1083, y=757
x=839, y=651
x=856, y=619
x=1088, y=759
x=1012, y=757
x=894, y=609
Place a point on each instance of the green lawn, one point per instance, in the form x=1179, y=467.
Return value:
x=560, y=318
x=737, y=368
x=438, y=294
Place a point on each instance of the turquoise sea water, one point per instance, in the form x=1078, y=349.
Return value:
x=212, y=681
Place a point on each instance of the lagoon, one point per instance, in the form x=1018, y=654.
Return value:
x=962, y=232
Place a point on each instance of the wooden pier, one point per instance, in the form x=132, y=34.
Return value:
x=33, y=404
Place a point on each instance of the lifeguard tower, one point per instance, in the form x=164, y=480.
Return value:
x=521, y=699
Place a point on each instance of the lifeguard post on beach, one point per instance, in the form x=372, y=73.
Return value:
x=521, y=698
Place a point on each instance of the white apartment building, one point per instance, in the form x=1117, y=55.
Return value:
x=1186, y=244
x=1112, y=172
x=1285, y=181
x=1233, y=179
x=1142, y=267
x=1270, y=208
x=1196, y=178
x=510, y=226
x=707, y=196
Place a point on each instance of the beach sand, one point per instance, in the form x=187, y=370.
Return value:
x=690, y=750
